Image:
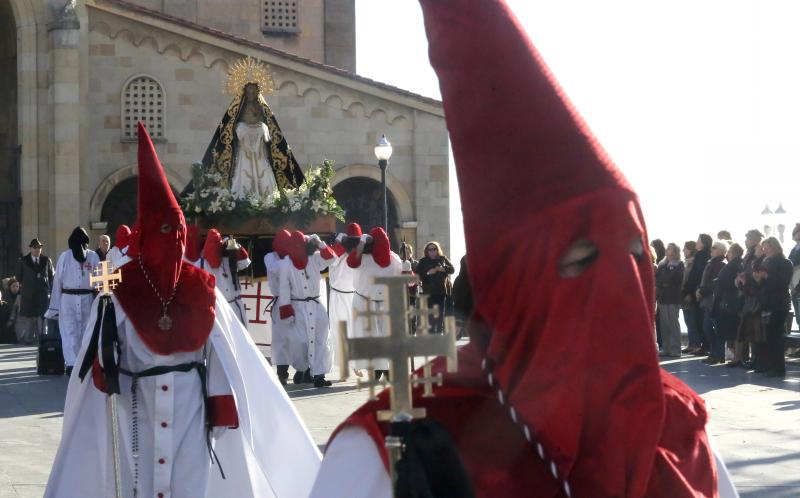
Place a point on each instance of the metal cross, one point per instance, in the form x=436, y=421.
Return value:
x=398, y=347
x=104, y=278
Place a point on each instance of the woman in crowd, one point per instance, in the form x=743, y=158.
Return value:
x=727, y=301
x=750, y=340
x=697, y=345
x=705, y=299
x=773, y=277
x=688, y=303
x=669, y=279
x=434, y=270
x=13, y=300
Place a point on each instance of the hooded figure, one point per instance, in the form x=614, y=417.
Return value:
x=71, y=296
x=120, y=245
x=309, y=346
x=276, y=263
x=219, y=261
x=559, y=392
x=368, y=296
x=185, y=399
x=340, y=278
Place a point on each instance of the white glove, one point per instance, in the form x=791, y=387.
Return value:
x=340, y=237
x=316, y=240
x=51, y=314
x=364, y=238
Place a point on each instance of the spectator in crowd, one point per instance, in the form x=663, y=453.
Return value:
x=794, y=287
x=434, y=270
x=705, y=299
x=103, y=246
x=727, y=302
x=6, y=330
x=774, y=277
x=661, y=251
x=35, y=275
x=724, y=235
x=669, y=279
x=688, y=302
x=9, y=321
x=697, y=344
x=462, y=296
x=751, y=335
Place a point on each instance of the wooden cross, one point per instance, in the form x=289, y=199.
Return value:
x=104, y=278
x=399, y=346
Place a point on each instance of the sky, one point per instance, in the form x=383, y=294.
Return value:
x=698, y=102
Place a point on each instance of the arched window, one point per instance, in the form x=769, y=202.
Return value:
x=280, y=16
x=143, y=100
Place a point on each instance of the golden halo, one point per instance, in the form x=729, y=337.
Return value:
x=248, y=70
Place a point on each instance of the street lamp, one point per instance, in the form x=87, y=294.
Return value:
x=383, y=151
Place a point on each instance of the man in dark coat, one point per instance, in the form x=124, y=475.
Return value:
x=697, y=344
x=35, y=273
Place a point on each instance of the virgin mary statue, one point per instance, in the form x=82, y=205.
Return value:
x=248, y=150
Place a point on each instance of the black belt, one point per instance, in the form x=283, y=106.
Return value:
x=78, y=292
x=341, y=291
x=368, y=298
x=307, y=299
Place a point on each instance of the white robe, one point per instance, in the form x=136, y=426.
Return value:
x=276, y=270
x=115, y=255
x=369, y=295
x=72, y=310
x=309, y=344
x=252, y=174
x=258, y=459
x=353, y=448
x=224, y=282
x=340, y=307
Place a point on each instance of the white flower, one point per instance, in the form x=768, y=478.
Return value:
x=197, y=209
x=316, y=205
x=215, y=206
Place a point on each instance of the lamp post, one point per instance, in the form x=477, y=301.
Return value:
x=383, y=151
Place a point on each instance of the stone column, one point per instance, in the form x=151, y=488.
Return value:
x=65, y=142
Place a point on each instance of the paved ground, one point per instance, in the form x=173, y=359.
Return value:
x=756, y=422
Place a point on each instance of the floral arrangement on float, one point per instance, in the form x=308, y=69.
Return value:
x=214, y=205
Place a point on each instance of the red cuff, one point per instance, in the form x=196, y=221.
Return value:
x=327, y=253
x=98, y=378
x=353, y=259
x=339, y=249
x=222, y=411
x=286, y=311
x=242, y=254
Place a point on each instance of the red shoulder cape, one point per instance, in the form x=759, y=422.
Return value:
x=500, y=462
x=192, y=311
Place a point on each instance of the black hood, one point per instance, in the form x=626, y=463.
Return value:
x=79, y=243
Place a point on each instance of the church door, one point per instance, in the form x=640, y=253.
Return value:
x=119, y=207
x=362, y=201
x=10, y=201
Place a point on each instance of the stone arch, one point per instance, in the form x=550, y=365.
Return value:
x=362, y=199
x=405, y=208
x=105, y=188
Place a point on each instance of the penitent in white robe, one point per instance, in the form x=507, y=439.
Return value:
x=340, y=307
x=252, y=172
x=309, y=345
x=224, y=282
x=276, y=270
x=72, y=310
x=260, y=457
x=371, y=296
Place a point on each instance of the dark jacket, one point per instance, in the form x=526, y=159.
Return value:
x=35, y=281
x=696, y=274
x=726, y=296
x=775, y=288
x=669, y=279
x=435, y=284
x=462, y=293
x=706, y=288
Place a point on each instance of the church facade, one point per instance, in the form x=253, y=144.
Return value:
x=77, y=76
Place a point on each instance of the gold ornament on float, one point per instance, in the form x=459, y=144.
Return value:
x=248, y=70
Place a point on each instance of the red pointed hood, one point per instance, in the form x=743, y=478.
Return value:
x=159, y=271
x=381, y=250
x=353, y=230
x=281, y=243
x=192, y=243
x=534, y=181
x=212, y=250
x=122, y=236
x=297, y=250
